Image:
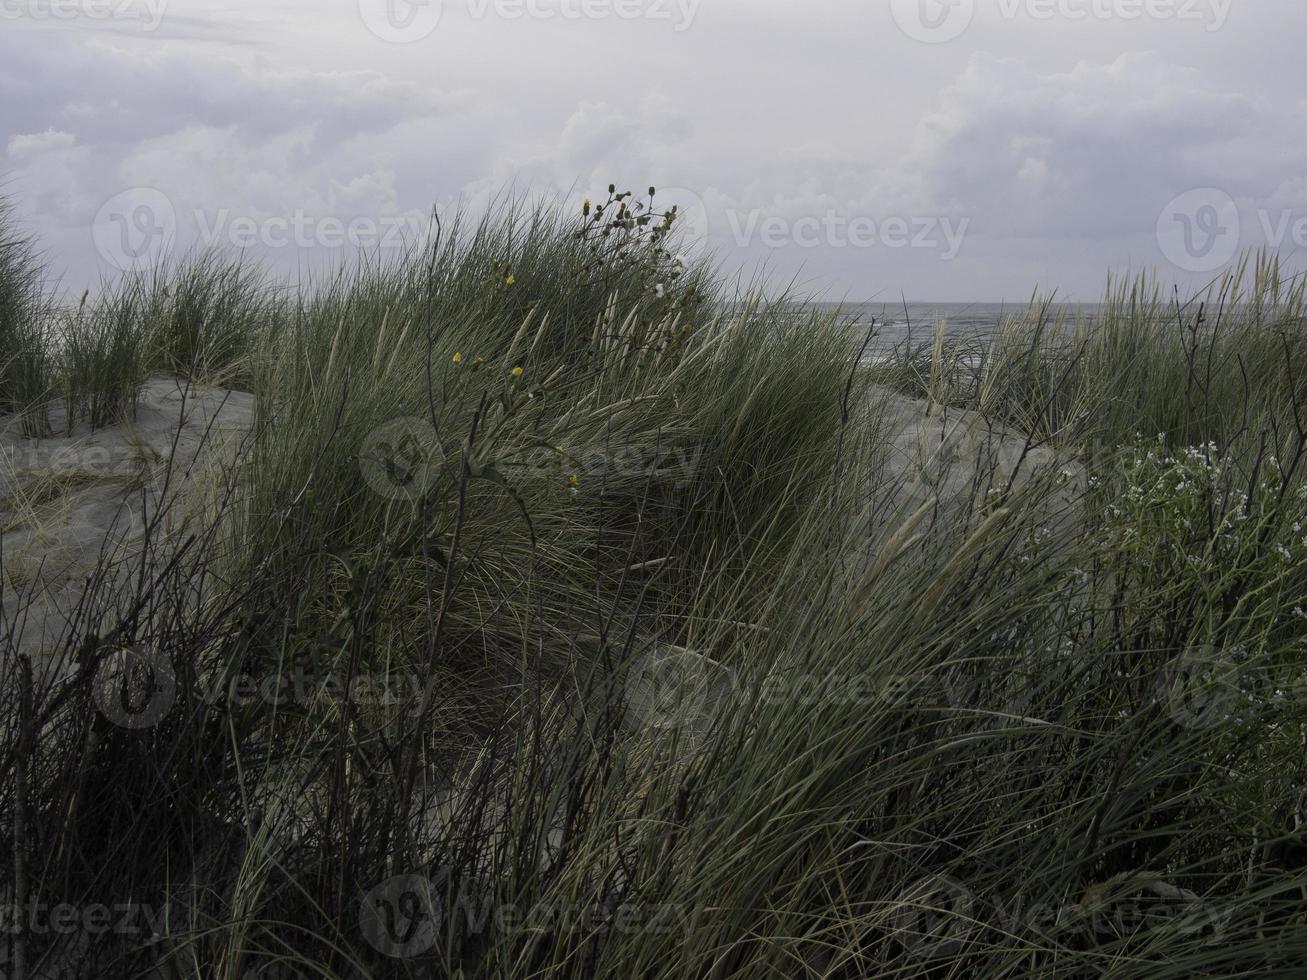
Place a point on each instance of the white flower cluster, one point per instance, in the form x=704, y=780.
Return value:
x=1182, y=506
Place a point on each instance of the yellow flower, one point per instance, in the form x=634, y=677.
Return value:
x=458, y=357
x=510, y=280
x=573, y=480
x=517, y=372
x=479, y=361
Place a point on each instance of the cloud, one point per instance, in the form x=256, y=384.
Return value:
x=1094, y=151
x=214, y=133
x=29, y=144
x=1058, y=155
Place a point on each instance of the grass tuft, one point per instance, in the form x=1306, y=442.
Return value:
x=563, y=615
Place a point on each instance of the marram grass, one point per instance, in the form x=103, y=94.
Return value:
x=487, y=482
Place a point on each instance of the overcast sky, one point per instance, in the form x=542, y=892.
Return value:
x=937, y=149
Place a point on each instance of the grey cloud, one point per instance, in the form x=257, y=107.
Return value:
x=1059, y=148
x=1085, y=152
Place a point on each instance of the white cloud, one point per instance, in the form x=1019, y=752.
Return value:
x=1092, y=151
x=1058, y=144
x=34, y=144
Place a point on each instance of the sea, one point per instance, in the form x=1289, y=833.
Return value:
x=917, y=323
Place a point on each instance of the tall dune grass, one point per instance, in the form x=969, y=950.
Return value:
x=535, y=467
x=1207, y=368
x=24, y=367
